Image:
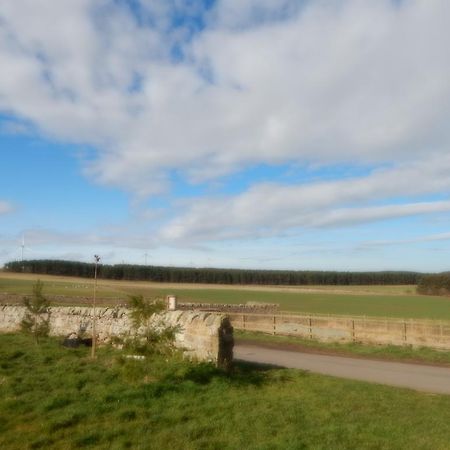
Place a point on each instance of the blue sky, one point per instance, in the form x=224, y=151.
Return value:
x=267, y=134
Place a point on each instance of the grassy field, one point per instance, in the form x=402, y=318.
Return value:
x=60, y=285
x=381, y=301
x=68, y=401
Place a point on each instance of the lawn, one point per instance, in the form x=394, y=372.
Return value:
x=54, y=398
x=381, y=301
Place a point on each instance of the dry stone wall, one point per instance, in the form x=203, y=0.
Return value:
x=249, y=307
x=198, y=332
x=69, y=300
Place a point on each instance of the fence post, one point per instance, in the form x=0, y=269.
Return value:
x=353, y=331
x=310, y=328
x=274, y=325
x=404, y=331
x=243, y=321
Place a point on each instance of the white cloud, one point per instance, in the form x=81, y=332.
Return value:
x=239, y=14
x=38, y=237
x=5, y=207
x=333, y=82
x=355, y=82
x=268, y=208
x=13, y=127
x=413, y=240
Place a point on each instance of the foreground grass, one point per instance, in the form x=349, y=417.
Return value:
x=380, y=301
x=405, y=353
x=55, y=398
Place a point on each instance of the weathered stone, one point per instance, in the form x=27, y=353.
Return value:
x=197, y=332
x=249, y=307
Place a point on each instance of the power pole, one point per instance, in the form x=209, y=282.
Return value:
x=94, y=319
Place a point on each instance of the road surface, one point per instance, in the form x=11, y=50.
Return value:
x=415, y=376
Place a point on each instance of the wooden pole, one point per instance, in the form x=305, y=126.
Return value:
x=310, y=328
x=94, y=319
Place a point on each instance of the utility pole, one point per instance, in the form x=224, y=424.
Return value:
x=94, y=330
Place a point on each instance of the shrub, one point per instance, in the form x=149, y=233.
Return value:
x=37, y=316
x=151, y=335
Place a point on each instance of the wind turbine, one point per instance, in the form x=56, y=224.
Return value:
x=23, y=247
x=145, y=256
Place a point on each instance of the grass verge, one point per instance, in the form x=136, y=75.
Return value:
x=405, y=353
x=52, y=398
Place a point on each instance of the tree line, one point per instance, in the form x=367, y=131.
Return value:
x=210, y=275
x=434, y=284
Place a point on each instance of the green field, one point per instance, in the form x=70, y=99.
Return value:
x=382, y=301
x=68, y=401
x=370, y=305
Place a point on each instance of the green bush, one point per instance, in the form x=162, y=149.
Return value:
x=150, y=334
x=37, y=316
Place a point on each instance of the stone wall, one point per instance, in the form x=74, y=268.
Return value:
x=65, y=300
x=248, y=308
x=198, y=332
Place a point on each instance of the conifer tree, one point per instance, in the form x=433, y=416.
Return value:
x=37, y=316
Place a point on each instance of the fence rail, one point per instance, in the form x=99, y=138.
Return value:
x=372, y=330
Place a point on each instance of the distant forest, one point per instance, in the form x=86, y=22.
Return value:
x=435, y=284
x=211, y=276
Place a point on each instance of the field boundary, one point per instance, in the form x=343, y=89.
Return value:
x=361, y=317
x=361, y=329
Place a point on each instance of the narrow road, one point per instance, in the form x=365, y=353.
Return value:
x=413, y=376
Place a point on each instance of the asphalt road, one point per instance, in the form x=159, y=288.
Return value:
x=414, y=376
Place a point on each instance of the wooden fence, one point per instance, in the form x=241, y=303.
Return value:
x=371, y=330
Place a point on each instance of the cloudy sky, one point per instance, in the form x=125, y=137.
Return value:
x=307, y=134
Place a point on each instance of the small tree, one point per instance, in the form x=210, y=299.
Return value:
x=142, y=310
x=37, y=316
x=151, y=335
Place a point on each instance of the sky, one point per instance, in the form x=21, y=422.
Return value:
x=274, y=134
